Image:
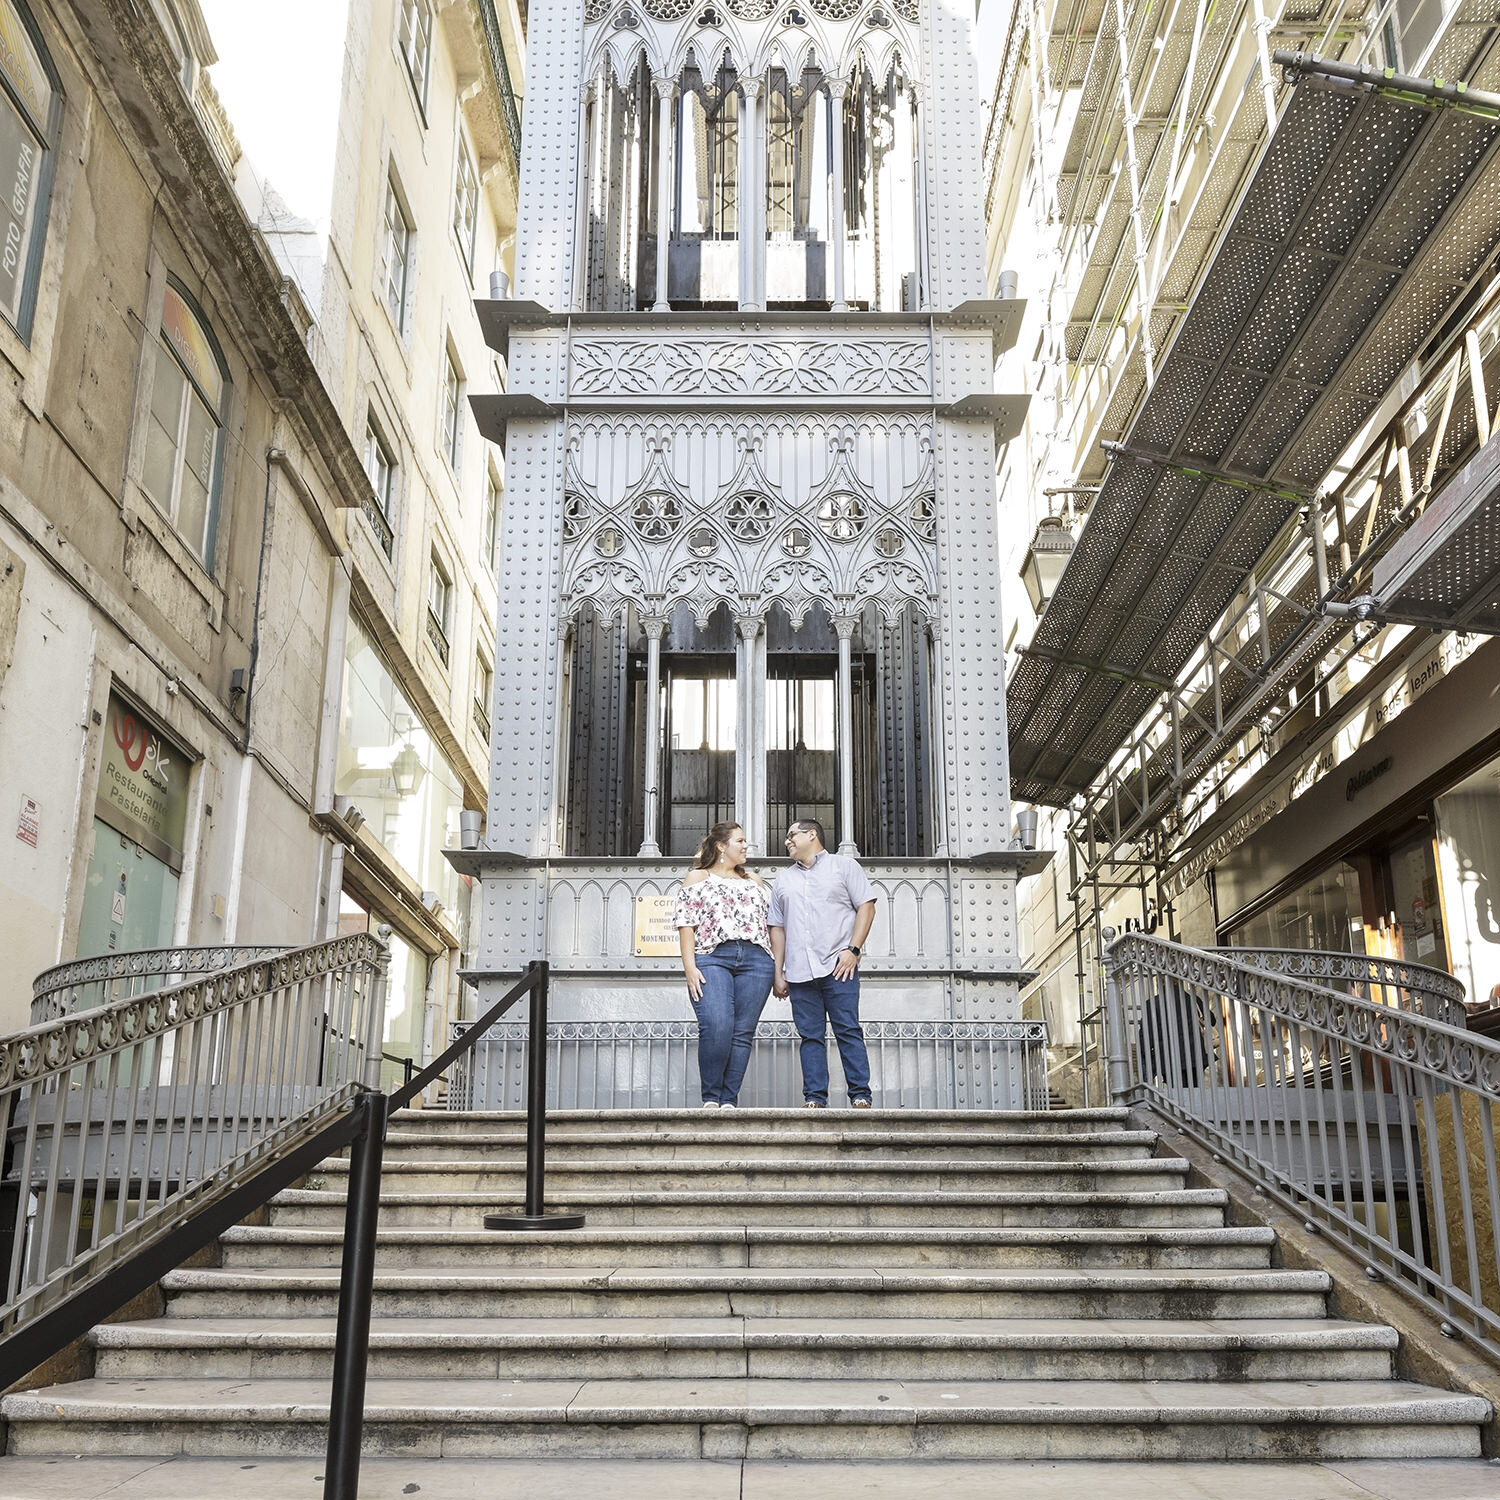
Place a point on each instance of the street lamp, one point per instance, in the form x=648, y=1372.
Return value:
x=1046, y=559
x=407, y=770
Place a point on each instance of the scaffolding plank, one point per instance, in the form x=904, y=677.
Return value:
x=1390, y=208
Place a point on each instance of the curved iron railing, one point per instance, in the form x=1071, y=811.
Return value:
x=135, y=1132
x=119, y=1121
x=1375, y=1124
x=1418, y=987
x=87, y=983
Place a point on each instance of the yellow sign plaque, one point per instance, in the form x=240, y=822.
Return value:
x=655, y=932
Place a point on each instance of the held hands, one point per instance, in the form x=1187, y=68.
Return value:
x=694, y=982
x=846, y=966
x=779, y=987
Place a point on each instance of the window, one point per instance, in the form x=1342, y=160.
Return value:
x=416, y=47
x=708, y=155
x=453, y=427
x=30, y=111
x=381, y=467
x=484, y=682
x=182, y=440
x=465, y=202
x=395, y=267
x=439, y=606
x=492, y=520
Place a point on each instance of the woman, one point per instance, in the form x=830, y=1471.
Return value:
x=726, y=955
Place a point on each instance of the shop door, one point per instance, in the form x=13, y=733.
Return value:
x=130, y=897
x=1414, y=921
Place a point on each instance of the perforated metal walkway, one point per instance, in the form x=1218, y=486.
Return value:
x=1367, y=220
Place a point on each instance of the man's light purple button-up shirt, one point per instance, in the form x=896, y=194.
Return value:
x=816, y=904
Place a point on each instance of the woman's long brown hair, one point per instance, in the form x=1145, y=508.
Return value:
x=708, y=850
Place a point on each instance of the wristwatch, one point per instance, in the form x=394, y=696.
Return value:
x=853, y=948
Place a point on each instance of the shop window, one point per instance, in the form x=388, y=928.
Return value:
x=396, y=256
x=415, y=41
x=189, y=387
x=1323, y=915
x=465, y=202
x=392, y=768
x=380, y=465
x=1468, y=821
x=30, y=115
x=439, y=606
x=453, y=408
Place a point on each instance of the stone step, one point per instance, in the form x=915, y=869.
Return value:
x=566, y=1179
x=768, y=1348
x=188, y=1478
x=749, y=1418
x=706, y=1292
x=1200, y=1207
x=973, y=1123
x=980, y=1249
x=785, y=1144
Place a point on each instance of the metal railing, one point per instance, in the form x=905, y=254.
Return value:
x=87, y=983
x=136, y=1131
x=119, y=1121
x=652, y=1065
x=1375, y=1125
x=509, y=111
x=1369, y=976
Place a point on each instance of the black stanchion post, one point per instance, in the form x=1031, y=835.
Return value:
x=351, y=1352
x=535, y=1215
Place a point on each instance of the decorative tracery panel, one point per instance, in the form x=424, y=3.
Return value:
x=724, y=510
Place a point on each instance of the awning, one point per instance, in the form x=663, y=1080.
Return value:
x=1368, y=218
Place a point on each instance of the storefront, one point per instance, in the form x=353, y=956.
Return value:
x=140, y=819
x=1395, y=849
x=406, y=796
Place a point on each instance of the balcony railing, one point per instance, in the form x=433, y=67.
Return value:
x=437, y=638
x=509, y=111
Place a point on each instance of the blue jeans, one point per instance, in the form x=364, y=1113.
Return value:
x=736, y=984
x=818, y=1004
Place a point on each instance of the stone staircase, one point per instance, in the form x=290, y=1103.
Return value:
x=778, y=1285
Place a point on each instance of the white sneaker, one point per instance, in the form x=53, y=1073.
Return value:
x=729, y=1106
x=710, y=1104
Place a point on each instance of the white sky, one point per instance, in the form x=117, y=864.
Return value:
x=280, y=67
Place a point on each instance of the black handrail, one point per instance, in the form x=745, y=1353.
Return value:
x=351, y=1354
x=362, y=1128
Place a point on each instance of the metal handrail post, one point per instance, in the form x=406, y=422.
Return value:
x=351, y=1349
x=534, y=1215
x=351, y=1353
x=1114, y=1016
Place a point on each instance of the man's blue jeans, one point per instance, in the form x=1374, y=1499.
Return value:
x=736, y=983
x=816, y=1005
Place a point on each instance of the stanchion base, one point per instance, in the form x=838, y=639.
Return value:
x=533, y=1221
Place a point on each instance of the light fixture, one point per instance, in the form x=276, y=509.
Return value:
x=1046, y=559
x=407, y=770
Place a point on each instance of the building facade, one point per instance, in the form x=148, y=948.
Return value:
x=422, y=214
x=173, y=483
x=750, y=433
x=1311, y=773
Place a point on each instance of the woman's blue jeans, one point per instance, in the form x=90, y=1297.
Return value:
x=736, y=984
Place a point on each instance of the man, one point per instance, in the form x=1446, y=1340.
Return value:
x=821, y=910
